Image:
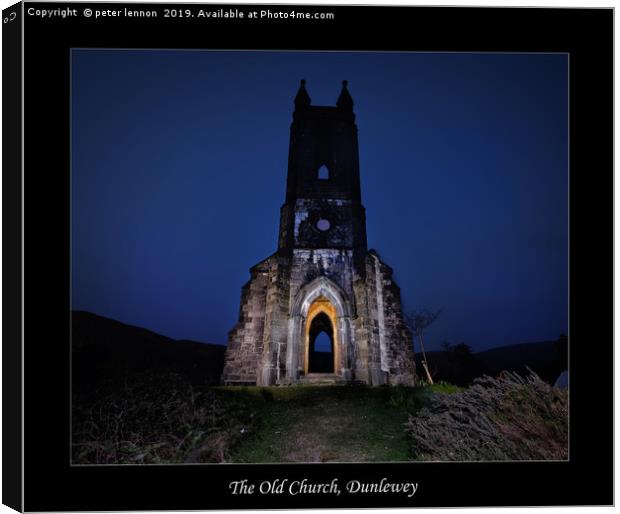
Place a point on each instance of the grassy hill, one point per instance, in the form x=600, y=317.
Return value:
x=328, y=424
x=108, y=350
x=139, y=397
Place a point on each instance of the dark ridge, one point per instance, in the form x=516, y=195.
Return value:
x=547, y=359
x=106, y=351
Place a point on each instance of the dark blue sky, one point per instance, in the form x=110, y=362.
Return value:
x=179, y=170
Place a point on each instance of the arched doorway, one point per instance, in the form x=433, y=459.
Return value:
x=316, y=297
x=321, y=345
x=321, y=320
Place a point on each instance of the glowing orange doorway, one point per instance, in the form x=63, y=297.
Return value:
x=321, y=318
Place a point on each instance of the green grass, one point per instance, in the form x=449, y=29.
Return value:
x=162, y=418
x=327, y=424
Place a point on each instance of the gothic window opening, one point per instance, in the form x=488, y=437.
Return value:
x=321, y=350
x=323, y=173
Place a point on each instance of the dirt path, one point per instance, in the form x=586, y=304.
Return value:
x=327, y=424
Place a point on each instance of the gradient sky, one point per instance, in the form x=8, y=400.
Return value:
x=179, y=162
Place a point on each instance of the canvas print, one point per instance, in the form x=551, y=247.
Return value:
x=302, y=257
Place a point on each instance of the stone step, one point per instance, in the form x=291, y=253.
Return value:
x=322, y=379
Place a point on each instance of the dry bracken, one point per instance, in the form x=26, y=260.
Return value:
x=504, y=418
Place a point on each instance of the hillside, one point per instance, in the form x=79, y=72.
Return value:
x=108, y=350
x=139, y=397
x=541, y=357
x=105, y=349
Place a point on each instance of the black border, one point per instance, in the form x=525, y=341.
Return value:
x=586, y=34
x=12, y=256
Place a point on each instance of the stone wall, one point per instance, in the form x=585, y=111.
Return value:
x=245, y=340
x=380, y=345
x=276, y=321
x=395, y=342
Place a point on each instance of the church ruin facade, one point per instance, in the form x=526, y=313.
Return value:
x=322, y=278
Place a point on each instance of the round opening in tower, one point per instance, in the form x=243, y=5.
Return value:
x=323, y=225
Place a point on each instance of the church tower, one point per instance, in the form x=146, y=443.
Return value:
x=322, y=278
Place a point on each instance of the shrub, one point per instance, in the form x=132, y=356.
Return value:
x=402, y=396
x=505, y=418
x=155, y=418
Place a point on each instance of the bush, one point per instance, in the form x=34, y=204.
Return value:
x=402, y=396
x=155, y=418
x=505, y=418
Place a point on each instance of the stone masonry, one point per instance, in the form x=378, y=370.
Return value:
x=322, y=278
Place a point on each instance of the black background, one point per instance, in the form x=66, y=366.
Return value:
x=52, y=484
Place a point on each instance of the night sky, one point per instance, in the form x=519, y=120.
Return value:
x=179, y=162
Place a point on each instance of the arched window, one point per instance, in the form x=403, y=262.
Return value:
x=323, y=173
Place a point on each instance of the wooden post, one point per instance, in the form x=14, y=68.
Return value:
x=424, y=361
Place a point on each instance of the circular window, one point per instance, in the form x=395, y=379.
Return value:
x=323, y=225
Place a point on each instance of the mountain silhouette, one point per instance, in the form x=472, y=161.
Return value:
x=106, y=350
x=547, y=359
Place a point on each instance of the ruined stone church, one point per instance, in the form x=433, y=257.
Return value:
x=322, y=278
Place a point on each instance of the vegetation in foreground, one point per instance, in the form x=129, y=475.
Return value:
x=156, y=418
x=142, y=398
x=504, y=418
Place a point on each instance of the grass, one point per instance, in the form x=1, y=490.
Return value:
x=162, y=418
x=328, y=424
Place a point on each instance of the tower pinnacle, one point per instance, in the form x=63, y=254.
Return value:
x=302, y=100
x=344, y=100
